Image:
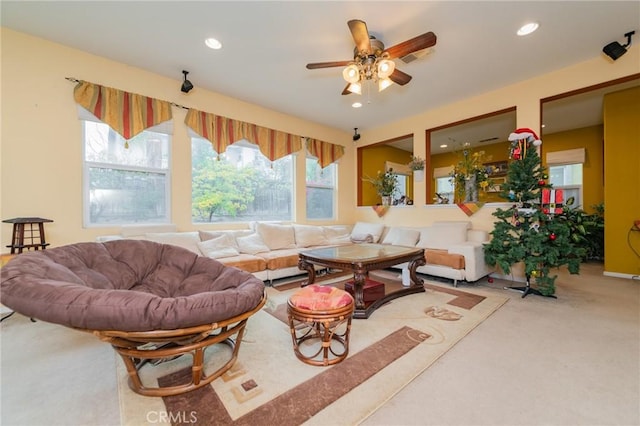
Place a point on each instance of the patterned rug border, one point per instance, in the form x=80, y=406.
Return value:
x=442, y=312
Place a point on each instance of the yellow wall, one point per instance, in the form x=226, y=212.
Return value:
x=493, y=152
x=41, y=136
x=622, y=180
x=373, y=161
x=40, y=145
x=591, y=139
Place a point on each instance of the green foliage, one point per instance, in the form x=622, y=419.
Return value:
x=587, y=230
x=524, y=234
x=385, y=182
x=220, y=188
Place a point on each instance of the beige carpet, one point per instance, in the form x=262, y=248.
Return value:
x=268, y=379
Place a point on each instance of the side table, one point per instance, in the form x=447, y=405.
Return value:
x=26, y=235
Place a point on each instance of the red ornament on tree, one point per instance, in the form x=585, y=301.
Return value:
x=552, y=237
x=541, y=182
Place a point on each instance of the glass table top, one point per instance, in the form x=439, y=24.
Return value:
x=360, y=252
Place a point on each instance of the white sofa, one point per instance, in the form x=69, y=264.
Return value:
x=270, y=250
x=452, y=249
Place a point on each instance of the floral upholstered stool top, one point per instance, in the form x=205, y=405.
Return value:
x=320, y=324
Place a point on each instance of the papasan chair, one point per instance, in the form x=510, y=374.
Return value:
x=152, y=302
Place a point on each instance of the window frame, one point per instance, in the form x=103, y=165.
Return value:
x=87, y=165
x=334, y=189
x=243, y=143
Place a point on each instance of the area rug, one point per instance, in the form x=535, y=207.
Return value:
x=269, y=385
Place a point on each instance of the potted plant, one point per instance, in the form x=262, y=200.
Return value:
x=385, y=184
x=417, y=166
x=469, y=175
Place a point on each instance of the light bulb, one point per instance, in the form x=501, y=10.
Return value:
x=383, y=84
x=386, y=68
x=355, y=88
x=351, y=74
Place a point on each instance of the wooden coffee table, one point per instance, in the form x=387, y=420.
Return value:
x=360, y=259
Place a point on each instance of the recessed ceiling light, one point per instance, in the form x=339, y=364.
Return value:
x=444, y=145
x=356, y=105
x=527, y=28
x=213, y=43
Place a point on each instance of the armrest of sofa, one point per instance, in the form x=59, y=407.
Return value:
x=473, y=252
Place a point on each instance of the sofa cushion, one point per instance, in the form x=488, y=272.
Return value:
x=278, y=259
x=364, y=228
x=216, y=248
x=309, y=236
x=444, y=258
x=251, y=244
x=337, y=234
x=188, y=240
x=441, y=237
x=207, y=235
x=402, y=237
x=277, y=236
x=246, y=262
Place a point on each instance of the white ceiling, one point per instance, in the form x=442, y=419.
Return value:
x=267, y=45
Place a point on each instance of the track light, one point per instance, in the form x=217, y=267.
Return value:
x=614, y=49
x=186, y=84
x=356, y=135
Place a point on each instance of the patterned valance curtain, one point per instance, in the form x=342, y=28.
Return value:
x=223, y=131
x=325, y=152
x=126, y=113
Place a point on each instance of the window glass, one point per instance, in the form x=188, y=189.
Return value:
x=125, y=182
x=320, y=191
x=568, y=177
x=239, y=185
x=445, y=188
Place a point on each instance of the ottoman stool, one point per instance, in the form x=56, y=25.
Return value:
x=320, y=324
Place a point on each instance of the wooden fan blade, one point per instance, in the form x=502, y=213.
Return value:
x=413, y=45
x=400, y=77
x=317, y=65
x=346, y=89
x=360, y=35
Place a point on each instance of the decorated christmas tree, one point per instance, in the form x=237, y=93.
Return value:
x=534, y=230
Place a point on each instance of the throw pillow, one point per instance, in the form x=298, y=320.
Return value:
x=218, y=248
x=251, y=244
x=277, y=236
x=402, y=237
x=441, y=237
x=309, y=236
x=188, y=240
x=363, y=228
x=338, y=234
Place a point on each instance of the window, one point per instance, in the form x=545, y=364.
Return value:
x=320, y=194
x=568, y=177
x=125, y=185
x=445, y=188
x=239, y=185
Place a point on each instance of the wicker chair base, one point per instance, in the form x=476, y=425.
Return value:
x=142, y=347
x=320, y=338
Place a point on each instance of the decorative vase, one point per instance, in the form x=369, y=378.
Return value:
x=470, y=189
x=386, y=200
x=418, y=175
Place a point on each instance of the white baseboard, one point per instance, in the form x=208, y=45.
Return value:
x=619, y=275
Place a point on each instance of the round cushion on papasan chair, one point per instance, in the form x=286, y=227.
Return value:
x=151, y=301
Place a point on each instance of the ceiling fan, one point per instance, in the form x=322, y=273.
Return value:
x=371, y=61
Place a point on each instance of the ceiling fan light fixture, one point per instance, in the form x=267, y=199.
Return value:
x=386, y=68
x=383, y=83
x=355, y=88
x=351, y=74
